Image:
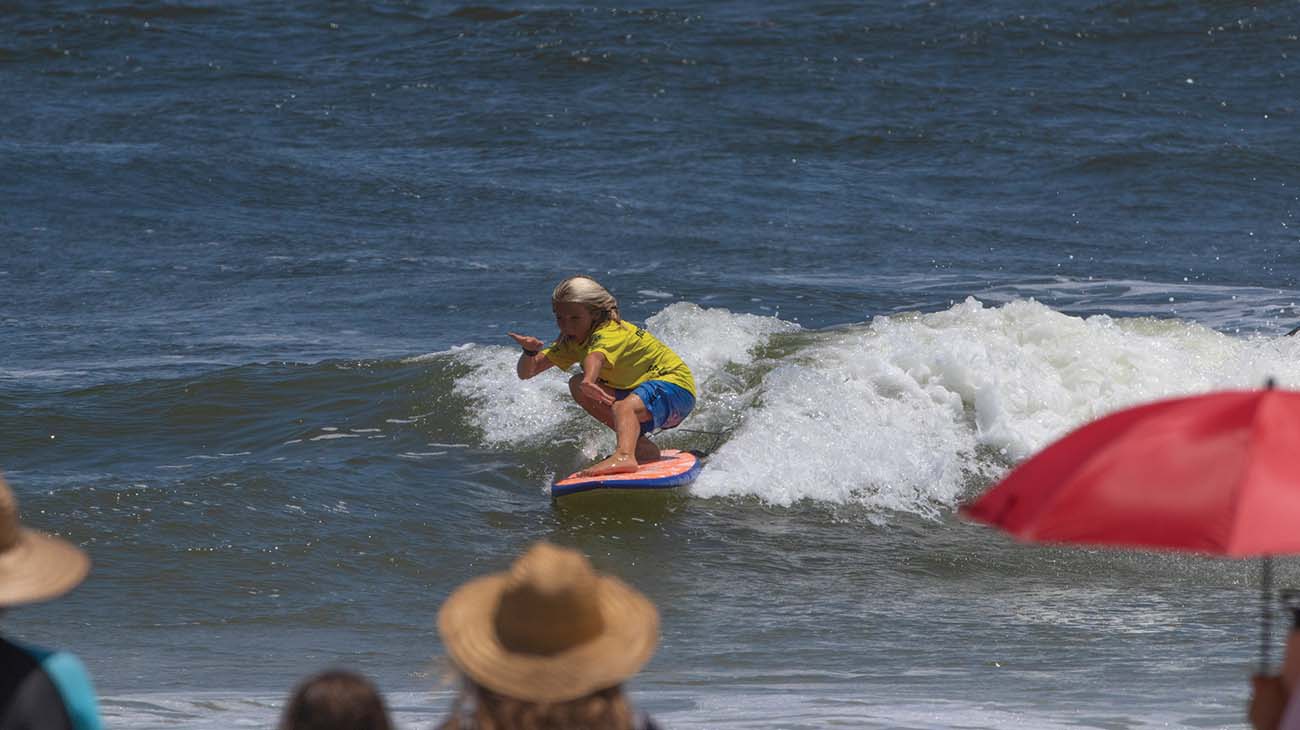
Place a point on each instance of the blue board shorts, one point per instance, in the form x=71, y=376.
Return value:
x=668, y=403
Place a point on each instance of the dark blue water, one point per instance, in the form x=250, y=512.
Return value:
x=257, y=262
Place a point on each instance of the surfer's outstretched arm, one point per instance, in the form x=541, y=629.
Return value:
x=532, y=360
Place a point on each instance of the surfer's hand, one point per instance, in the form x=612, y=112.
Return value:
x=599, y=394
x=526, y=342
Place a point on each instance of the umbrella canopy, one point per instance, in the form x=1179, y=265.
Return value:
x=1216, y=474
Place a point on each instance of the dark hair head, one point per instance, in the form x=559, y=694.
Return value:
x=335, y=700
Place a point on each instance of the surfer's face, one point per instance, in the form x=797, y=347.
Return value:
x=573, y=319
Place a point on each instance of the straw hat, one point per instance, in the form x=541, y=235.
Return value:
x=34, y=566
x=549, y=630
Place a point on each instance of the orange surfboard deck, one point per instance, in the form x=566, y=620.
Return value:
x=673, y=469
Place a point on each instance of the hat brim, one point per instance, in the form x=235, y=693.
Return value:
x=630, y=636
x=39, y=567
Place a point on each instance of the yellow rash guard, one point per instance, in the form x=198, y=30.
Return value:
x=632, y=356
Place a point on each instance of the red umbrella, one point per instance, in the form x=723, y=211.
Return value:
x=1217, y=474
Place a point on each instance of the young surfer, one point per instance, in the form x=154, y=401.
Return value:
x=630, y=381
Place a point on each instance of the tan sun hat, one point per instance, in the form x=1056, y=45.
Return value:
x=550, y=629
x=34, y=566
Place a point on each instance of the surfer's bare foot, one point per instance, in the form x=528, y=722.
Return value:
x=646, y=451
x=616, y=464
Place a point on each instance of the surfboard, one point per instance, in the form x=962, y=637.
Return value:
x=673, y=469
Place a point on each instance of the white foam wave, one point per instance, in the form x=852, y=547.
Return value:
x=510, y=411
x=907, y=412
x=438, y=354
x=1226, y=308
x=412, y=419
x=333, y=436
x=711, y=339
x=25, y=374
x=1238, y=309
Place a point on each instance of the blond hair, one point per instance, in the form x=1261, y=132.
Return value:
x=589, y=293
x=479, y=708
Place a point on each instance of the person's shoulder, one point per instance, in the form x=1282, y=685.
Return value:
x=63, y=663
x=563, y=352
x=68, y=677
x=614, y=330
x=63, y=667
x=78, y=693
x=38, y=654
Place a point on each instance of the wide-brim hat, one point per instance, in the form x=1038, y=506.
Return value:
x=551, y=629
x=34, y=566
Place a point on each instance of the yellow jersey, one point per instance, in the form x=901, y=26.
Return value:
x=632, y=356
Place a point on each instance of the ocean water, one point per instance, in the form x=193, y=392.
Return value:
x=257, y=262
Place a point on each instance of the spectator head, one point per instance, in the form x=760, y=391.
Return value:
x=548, y=643
x=34, y=566
x=335, y=700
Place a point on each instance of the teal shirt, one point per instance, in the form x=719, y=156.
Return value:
x=70, y=679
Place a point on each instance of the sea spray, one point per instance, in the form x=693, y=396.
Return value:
x=912, y=411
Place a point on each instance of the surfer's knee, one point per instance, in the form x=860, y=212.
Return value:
x=631, y=404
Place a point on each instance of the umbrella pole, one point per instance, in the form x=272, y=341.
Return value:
x=1266, y=589
x=1265, y=610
